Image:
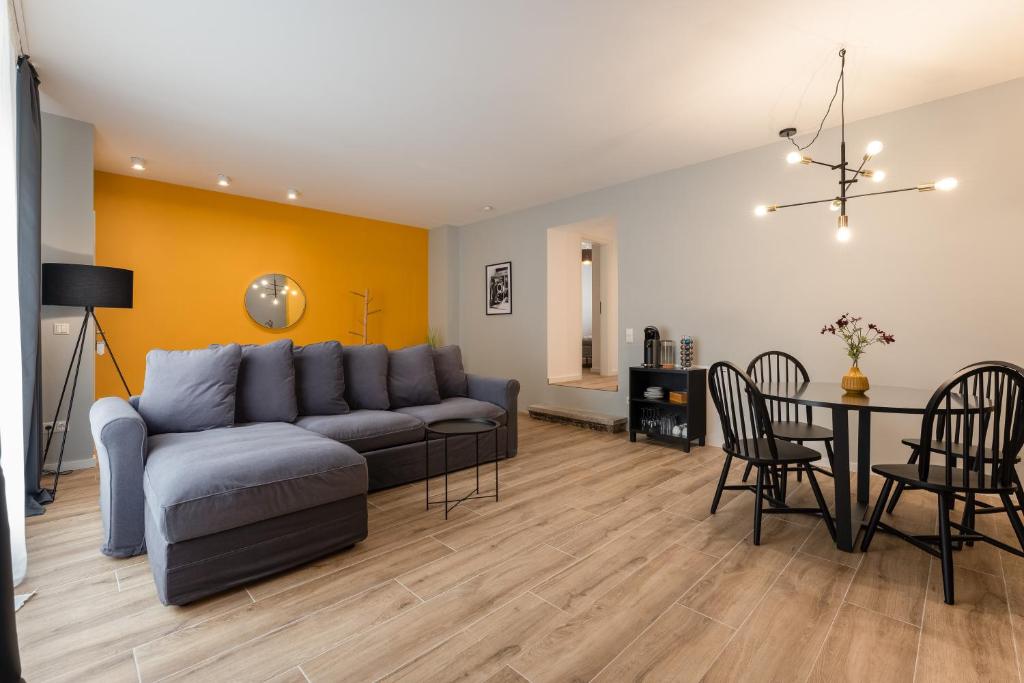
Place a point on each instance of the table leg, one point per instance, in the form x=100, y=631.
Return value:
x=841, y=469
x=863, y=457
x=446, y=477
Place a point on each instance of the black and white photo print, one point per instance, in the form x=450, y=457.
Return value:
x=499, y=288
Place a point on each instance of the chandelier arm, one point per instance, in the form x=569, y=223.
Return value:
x=816, y=201
x=860, y=169
x=827, y=165
x=872, y=194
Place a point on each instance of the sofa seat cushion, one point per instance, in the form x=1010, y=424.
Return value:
x=201, y=483
x=451, y=408
x=366, y=430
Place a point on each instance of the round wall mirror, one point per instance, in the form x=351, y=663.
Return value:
x=275, y=301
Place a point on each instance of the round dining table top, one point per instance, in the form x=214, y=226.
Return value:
x=878, y=399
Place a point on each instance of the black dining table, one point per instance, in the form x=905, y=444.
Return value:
x=879, y=399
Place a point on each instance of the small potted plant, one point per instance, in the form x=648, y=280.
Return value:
x=857, y=339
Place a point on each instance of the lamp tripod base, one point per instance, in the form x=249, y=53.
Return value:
x=75, y=366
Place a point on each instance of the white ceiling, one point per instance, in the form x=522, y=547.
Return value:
x=424, y=111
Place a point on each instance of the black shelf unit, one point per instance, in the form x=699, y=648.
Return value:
x=692, y=380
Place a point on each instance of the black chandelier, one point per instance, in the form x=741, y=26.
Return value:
x=847, y=175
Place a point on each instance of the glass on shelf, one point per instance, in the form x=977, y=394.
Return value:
x=667, y=354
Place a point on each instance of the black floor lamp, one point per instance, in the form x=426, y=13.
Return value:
x=91, y=287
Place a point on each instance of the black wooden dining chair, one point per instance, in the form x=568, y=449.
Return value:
x=747, y=428
x=981, y=413
x=779, y=367
x=981, y=507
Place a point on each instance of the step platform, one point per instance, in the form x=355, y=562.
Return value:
x=587, y=419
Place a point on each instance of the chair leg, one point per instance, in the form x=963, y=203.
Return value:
x=783, y=482
x=830, y=454
x=799, y=471
x=901, y=486
x=721, y=483
x=746, y=471
x=968, y=519
x=758, y=499
x=876, y=515
x=1018, y=526
x=825, y=514
x=946, y=545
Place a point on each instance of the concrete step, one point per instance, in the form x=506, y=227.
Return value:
x=575, y=416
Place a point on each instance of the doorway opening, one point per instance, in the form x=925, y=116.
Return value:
x=583, y=289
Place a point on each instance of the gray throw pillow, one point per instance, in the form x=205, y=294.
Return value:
x=366, y=372
x=411, y=377
x=451, y=378
x=320, y=379
x=189, y=391
x=266, y=384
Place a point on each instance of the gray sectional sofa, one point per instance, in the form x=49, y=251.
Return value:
x=239, y=462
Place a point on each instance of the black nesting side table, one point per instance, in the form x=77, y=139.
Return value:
x=446, y=429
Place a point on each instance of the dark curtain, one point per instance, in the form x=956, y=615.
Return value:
x=10, y=664
x=29, y=275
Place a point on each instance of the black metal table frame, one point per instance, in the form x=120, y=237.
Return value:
x=476, y=452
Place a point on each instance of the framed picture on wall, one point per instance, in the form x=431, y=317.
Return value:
x=498, y=288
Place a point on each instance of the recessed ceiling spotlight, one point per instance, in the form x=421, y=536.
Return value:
x=223, y=180
x=488, y=207
x=138, y=163
x=293, y=194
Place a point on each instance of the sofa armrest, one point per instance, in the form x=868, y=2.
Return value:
x=119, y=433
x=503, y=393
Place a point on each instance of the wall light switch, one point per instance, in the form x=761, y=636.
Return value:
x=62, y=328
x=629, y=335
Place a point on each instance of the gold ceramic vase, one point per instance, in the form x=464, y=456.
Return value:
x=855, y=382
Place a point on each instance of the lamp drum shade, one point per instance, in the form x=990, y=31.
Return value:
x=76, y=284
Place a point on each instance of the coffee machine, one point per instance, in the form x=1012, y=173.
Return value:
x=651, y=338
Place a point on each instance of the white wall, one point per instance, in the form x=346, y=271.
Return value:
x=564, y=312
x=588, y=298
x=942, y=271
x=443, y=283
x=68, y=236
x=608, y=317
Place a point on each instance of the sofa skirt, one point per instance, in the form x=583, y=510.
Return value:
x=404, y=464
x=189, y=570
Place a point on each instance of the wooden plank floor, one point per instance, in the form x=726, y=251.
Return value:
x=600, y=562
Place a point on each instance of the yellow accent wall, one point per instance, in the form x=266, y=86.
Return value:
x=194, y=253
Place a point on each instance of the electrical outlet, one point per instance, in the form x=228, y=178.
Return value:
x=61, y=426
x=62, y=328
x=629, y=335
x=47, y=426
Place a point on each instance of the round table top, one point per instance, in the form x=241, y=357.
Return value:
x=879, y=399
x=464, y=425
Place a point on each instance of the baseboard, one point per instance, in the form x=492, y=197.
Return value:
x=566, y=378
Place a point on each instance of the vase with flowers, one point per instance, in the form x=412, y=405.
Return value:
x=857, y=338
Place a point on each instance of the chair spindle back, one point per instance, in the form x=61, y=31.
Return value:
x=746, y=424
x=981, y=411
x=779, y=367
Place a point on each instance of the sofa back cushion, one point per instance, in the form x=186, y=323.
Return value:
x=366, y=372
x=266, y=384
x=451, y=378
x=411, y=377
x=320, y=379
x=189, y=391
